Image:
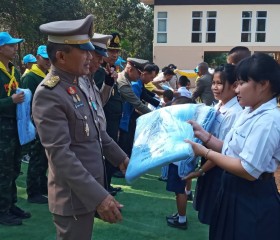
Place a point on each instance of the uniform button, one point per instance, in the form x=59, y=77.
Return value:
x=103, y=157
x=100, y=139
x=85, y=117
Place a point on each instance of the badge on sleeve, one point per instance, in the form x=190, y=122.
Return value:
x=76, y=99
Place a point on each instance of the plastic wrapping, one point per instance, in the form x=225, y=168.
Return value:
x=159, y=138
x=26, y=129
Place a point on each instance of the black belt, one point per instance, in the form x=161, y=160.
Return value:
x=266, y=176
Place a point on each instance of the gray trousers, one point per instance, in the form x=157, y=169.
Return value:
x=73, y=228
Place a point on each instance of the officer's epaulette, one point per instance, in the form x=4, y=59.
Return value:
x=51, y=82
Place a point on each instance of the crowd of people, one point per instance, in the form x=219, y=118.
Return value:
x=85, y=110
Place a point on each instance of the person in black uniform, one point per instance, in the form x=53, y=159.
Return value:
x=113, y=108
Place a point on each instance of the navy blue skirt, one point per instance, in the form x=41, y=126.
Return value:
x=246, y=210
x=206, y=192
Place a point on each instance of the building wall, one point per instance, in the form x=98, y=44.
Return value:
x=180, y=50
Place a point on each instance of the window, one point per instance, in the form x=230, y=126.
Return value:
x=261, y=26
x=196, y=27
x=211, y=27
x=162, y=27
x=246, y=26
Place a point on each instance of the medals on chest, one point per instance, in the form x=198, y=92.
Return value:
x=75, y=97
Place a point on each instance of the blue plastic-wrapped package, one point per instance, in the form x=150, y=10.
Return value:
x=159, y=138
x=26, y=129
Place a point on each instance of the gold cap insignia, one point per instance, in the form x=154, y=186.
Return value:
x=117, y=39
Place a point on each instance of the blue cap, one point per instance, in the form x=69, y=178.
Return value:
x=42, y=51
x=6, y=38
x=29, y=58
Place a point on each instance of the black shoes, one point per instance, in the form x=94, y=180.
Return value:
x=114, y=190
x=40, y=199
x=173, y=221
x=176, y=224
x=190, y=196
x=173, y=216
x=9, y=219
x=19, y=213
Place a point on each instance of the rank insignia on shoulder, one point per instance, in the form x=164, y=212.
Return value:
x=51, y=82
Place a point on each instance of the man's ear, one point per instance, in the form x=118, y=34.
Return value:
x=60, y=57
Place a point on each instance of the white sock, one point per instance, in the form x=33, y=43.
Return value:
x=182, y=219
x=188, y=192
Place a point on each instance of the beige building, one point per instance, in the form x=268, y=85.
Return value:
x=184, y=33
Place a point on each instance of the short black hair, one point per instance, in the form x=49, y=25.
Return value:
x=238, y=49
x=259, y=67
x=156, y=69
x=168, y=94
x=172, y=66
x=183, y=81
x=227, y=73
x=149, y=68
x=52, y=48
x=182, y=100
x=168, y=71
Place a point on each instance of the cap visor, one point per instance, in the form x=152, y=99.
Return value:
x=102, y=53
x=15, y=40
x=44, y=55
x=86, y=46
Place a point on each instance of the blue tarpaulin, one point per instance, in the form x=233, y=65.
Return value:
x=26, y=129
x=159, y=138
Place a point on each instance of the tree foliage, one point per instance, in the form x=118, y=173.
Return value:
x=130, y=18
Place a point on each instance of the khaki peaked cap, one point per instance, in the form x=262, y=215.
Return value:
x=76, y=32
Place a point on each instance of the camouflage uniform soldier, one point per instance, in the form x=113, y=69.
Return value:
x=36, y=182
x=10, y=214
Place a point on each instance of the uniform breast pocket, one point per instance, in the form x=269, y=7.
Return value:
x=83, y=127
x=238, y=141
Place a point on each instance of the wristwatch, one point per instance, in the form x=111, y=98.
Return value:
x=201, y=172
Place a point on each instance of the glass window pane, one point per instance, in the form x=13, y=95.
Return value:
x=161, y=25
x=246, y=14
x=261, y=25
x=246, y=25
x=245, y=37
x=260, y=37
x=197, y=14
x=196, y=37
x=211, y=37
x=262, y=14
x=162, y=38
x=162, y=14
x=211, y=14
x=211, y=25
x=196, y=25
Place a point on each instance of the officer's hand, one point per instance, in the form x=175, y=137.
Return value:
x=123, y=165
x=109, y=210
x=18, y=97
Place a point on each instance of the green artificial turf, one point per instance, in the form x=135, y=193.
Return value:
x=146, y=203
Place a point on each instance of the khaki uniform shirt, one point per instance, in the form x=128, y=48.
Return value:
x=128, y=95
x=75, y=145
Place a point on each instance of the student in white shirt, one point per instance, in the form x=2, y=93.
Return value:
x=183, y=87
x=248, y=203
x=228, y=109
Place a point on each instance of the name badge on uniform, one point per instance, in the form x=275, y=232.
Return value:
x=76, y=99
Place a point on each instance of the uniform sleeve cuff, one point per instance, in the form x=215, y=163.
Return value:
x=250, y=169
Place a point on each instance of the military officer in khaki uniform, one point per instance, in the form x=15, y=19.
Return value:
x=67, y=124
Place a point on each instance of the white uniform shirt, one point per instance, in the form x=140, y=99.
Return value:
x=255, y=139
x=184, y=92
x=225, y=118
